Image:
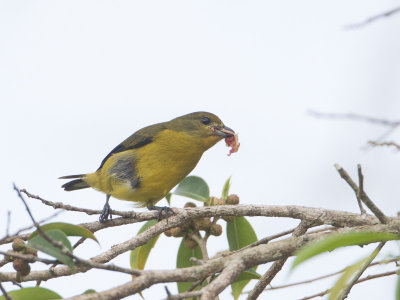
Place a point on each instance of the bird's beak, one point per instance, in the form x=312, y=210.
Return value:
x=223, y=131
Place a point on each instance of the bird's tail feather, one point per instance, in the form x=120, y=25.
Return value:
x=76, y=184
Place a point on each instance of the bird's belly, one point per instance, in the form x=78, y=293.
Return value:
x=159, y=173
x=149, y=193
x=157, y=176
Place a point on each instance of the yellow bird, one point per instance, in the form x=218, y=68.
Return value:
x=149, y=163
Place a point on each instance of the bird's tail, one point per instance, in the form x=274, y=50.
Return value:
x=76, y=184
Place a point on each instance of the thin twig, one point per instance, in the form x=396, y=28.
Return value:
x=355, y=117
x=320, y=294
x=196, y=284
x=361, y=270
x=28, y=257
x=202, y=243
x=203, y=247
x=360, y=189
x=168, y=292
x=184, y=295
x=65, y=251
x=391, y=144
x=8, y=222
x=374, y=18
x=260, y=242
x=56, y=244
x=369, y=277
x=327, y=276
x=10, y=238
x=392, y=125
x=276, y=266
x=269, y=238
x=367, y=201
x=81, y=240
x=109, y=267
x=273, y=237
x=59, y=205
x=6, y=296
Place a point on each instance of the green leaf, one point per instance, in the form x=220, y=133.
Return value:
x=225, y=189
x=340, y=240
x=168, y=197
x=41, y=244
x=183, y=261
x=193, y=187
x=248, y=275
x=68, y=229
x=32, y=293
x=89, y=291
x=341, y=285
x=140, y=254
x=240, y=234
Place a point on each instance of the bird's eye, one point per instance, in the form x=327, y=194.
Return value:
x=205, y=120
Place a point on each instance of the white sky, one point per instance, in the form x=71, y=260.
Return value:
x=78, y=77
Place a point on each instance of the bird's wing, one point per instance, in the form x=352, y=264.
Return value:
x=139, y=139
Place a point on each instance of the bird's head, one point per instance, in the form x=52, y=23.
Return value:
x=205, y=127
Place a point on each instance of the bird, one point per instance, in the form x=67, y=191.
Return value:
x=150, y=162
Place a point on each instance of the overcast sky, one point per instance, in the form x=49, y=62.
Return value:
x=78, y=77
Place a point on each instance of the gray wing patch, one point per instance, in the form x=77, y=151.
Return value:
x=124, y=170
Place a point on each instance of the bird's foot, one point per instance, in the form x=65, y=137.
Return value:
x=162, y=209
x=107, y=212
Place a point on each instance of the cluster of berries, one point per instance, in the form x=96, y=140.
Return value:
x=21, y=265
x=203, y=224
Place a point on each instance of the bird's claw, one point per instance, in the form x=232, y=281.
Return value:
x=162, y=209
x=107, y=212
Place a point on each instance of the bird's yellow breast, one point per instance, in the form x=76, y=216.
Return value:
x=157, y=166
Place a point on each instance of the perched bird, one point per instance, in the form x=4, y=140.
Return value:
x=149, y=163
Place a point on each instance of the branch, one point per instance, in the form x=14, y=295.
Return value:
x=276, y=266
x=183, y=216
x=393, y=144
x=374, y=18
x=65, y=251
x=360, y=189
x=28, y=257
x=201, y=243
x=9, y=238
x=272, y=237
x=369, y=277
x=184, y=295
x=231, y=271
x=6, y=296
x=248, y=258
x=363, y=196
x=8, y=223
x=318, y=215
x=266, y=239
x=393, y=125
x=355, y=117
x=41, y=232
x=186, y=215
x=327, y=276
x=60, y=205
x=362, y=270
